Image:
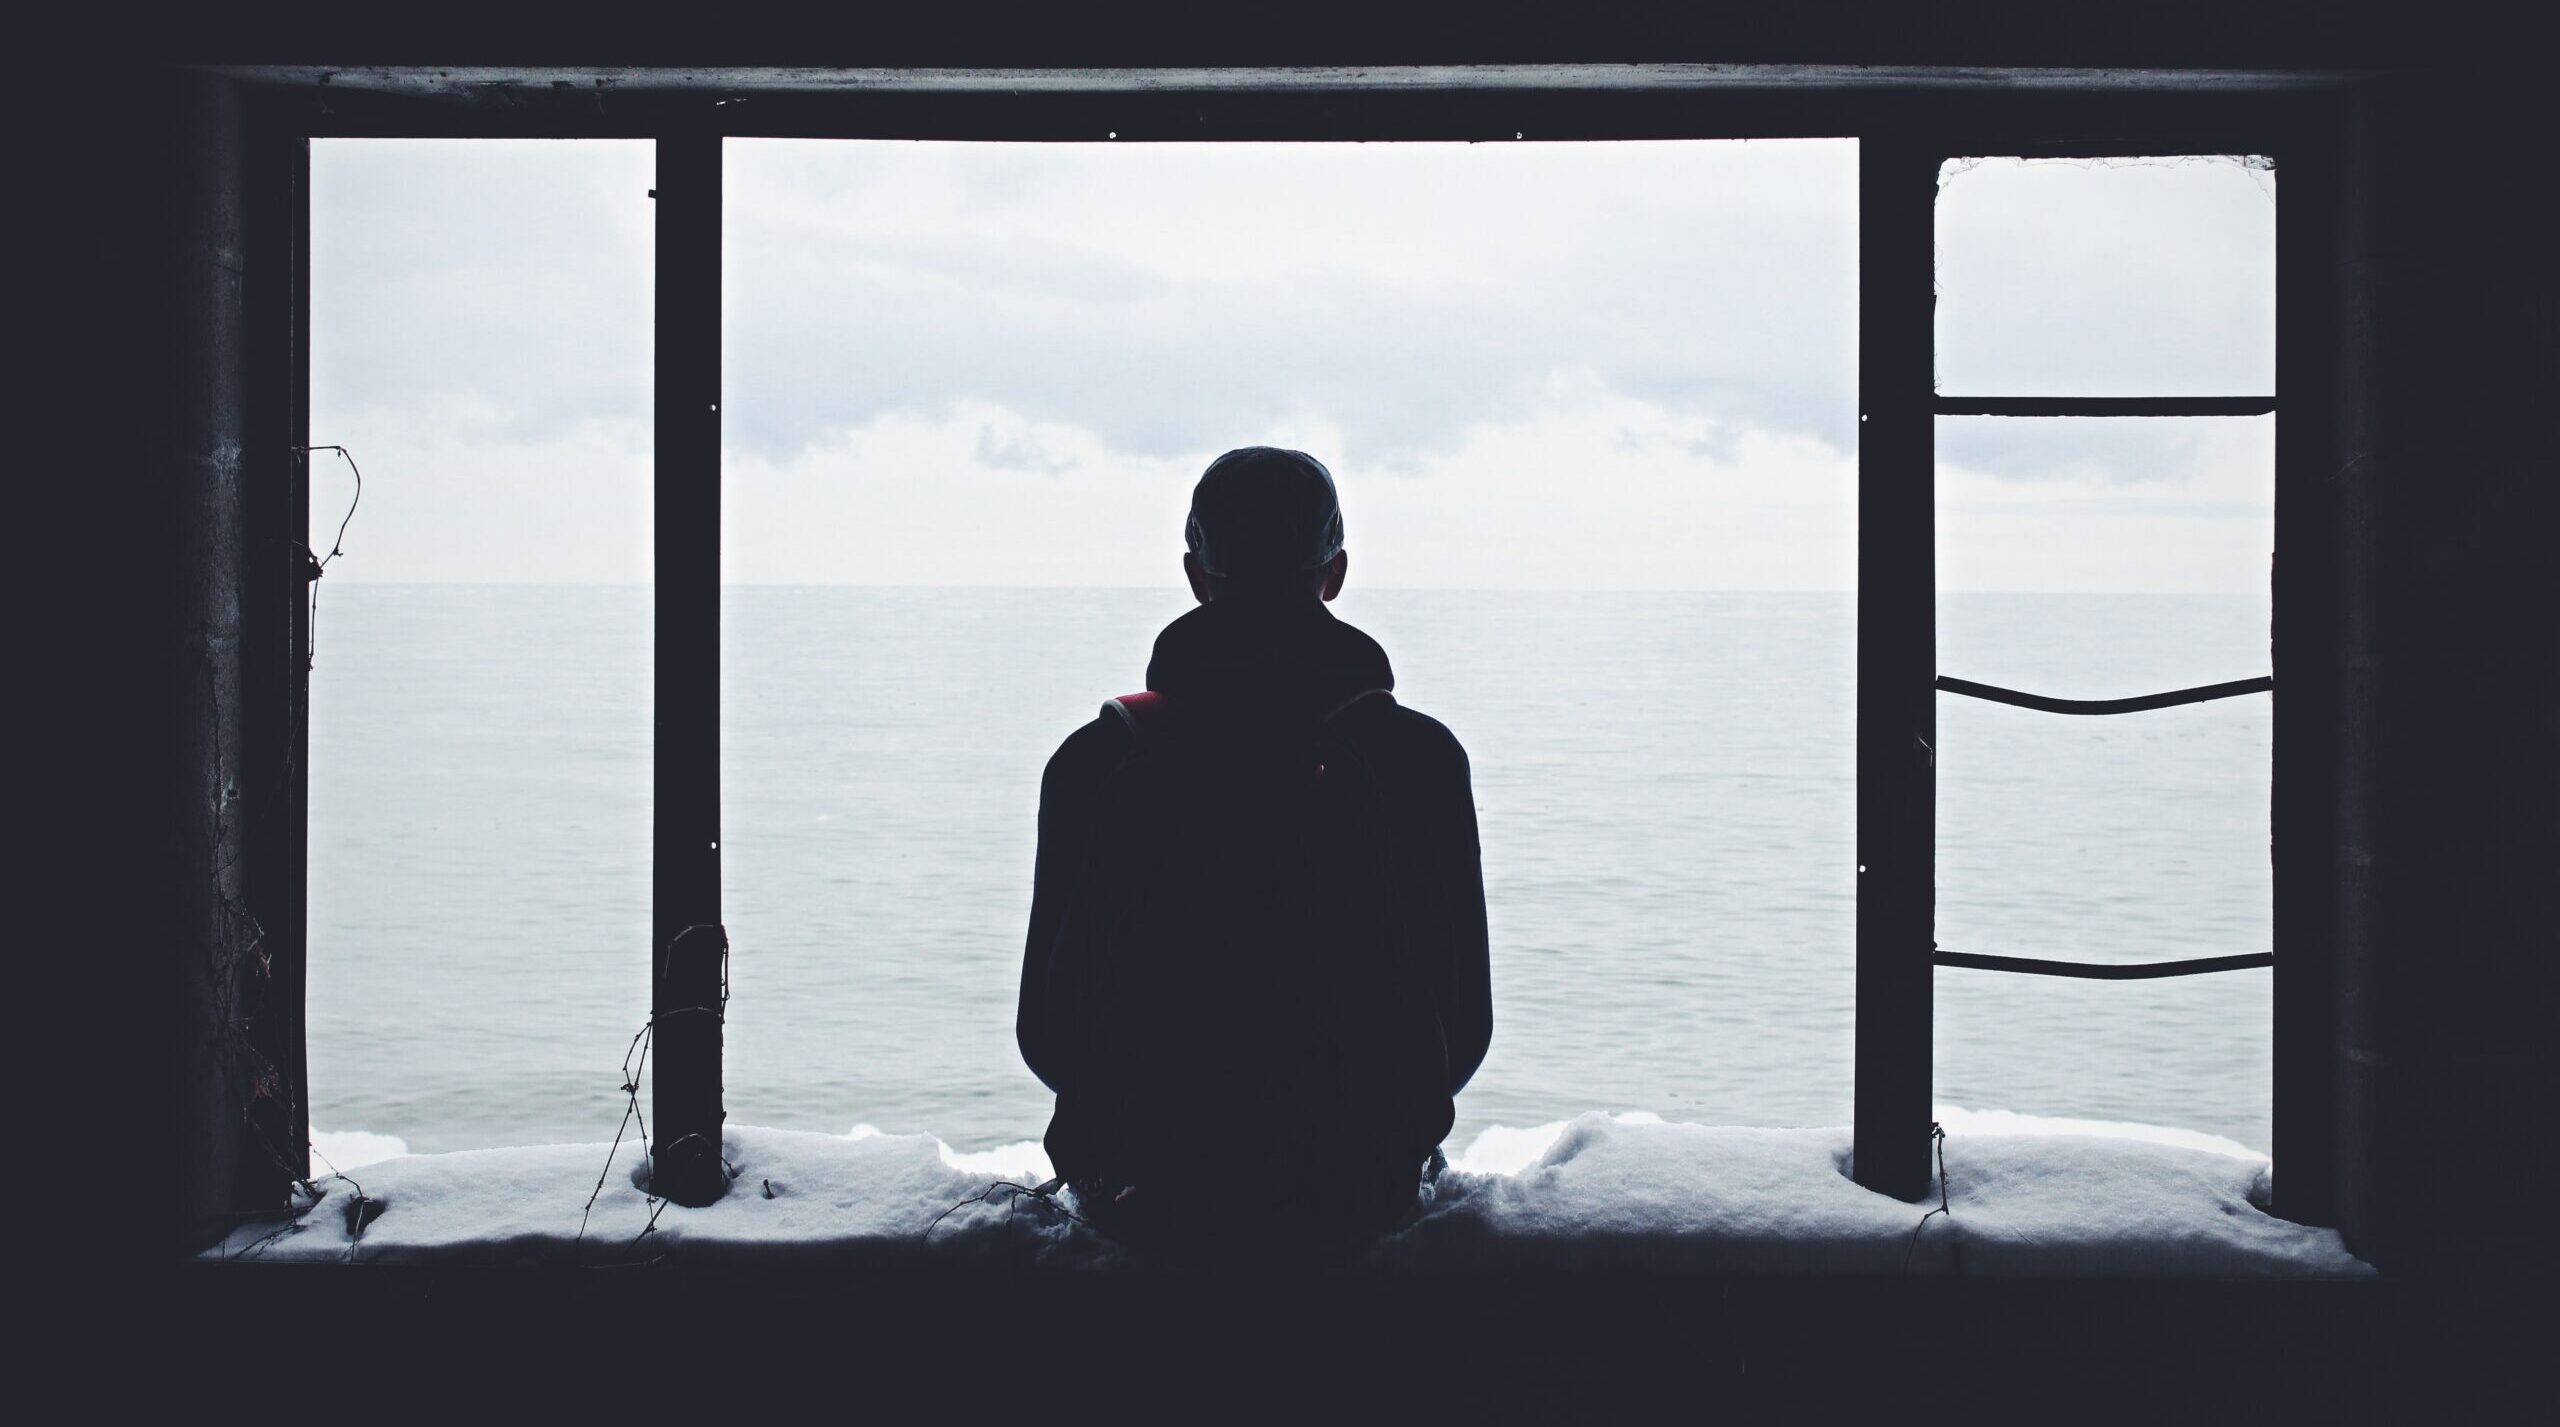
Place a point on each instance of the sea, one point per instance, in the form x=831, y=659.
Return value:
x=1664, y=784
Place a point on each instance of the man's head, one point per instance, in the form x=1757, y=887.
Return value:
x=1265, y=521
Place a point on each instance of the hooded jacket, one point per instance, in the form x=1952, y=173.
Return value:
x=1255, y=670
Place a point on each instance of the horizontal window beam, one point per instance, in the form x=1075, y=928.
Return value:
x=2105, y=150
x=2102, y=405
x=2138, y=703
x=2099, y=971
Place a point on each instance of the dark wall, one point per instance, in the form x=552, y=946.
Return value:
x=195, y=473
x=2445, y=770
x=2163, y=33
x=205, y=622
x=2450, y=876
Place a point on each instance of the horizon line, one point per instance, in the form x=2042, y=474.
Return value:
x=1186, y=594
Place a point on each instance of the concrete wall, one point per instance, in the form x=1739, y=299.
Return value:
x=2448, y=862
x=2450, y=912
x=215, y=728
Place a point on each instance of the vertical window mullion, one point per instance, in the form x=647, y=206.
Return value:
x=688, y=949
x=2309, y=651
x=1897, y=658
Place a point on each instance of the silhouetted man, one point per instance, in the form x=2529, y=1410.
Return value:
x=1256, y=974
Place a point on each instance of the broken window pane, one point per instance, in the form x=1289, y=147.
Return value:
x=2125, y=837
x=2044, y=1045
x=2106, y=277
x=2175, y=511
x=2102, y=558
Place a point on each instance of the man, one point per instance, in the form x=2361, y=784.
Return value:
x=1256, y=972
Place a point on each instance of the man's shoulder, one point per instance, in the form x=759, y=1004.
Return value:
x=1414, y=734
x=1097, y=740
x=1419, y=725
x=1084, y=759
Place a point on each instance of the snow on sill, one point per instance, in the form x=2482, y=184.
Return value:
x=2027, y=1196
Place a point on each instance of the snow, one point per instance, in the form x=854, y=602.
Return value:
x=1611, y=1192
x=2025, y=1195
x=353, y=1149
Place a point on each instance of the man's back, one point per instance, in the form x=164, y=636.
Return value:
x=1257, y=944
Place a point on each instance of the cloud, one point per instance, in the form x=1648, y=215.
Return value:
x=1579, y=485
x=2106, y=279
x=1178, y=298
x=512, y=278
x=444, y=499
x=2200, y=518
x=1543, y=364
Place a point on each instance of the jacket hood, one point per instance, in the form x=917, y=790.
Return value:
x=1280, y=656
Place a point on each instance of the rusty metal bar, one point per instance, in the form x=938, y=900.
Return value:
x=2101, y=971
x=2104, y=405
x=2203, y=693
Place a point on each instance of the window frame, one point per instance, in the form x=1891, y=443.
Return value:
x=1905, y=120
x=1898, y=680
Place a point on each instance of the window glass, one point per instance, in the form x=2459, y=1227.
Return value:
x=479, y=754
x=2045, y=1045
x=2115, y=277
x=2126, y=837
x=2161, y=530
x=2091, y=559
x=1592, y=411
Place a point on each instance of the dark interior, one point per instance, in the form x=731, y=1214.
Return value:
x=2414, y=829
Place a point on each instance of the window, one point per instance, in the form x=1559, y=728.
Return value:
x=1901, y=425
x=479, y=736
x=2102, y=518
x=967, y=389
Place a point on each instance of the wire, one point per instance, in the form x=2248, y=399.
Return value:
x=320, y=563
x=357, y=1218
x=630, y=1088
x=340, y=539
x=1938, y=1135
x=232, y=1019
x=632, y=1071
x=297, y=1217
x=1045, y=1194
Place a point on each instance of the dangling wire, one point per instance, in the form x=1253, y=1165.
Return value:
x=1938, y=1135
x=635, y=1065
x=319, y=564
x=1046, y=1194
x=631, y=1073
x=265, y=1080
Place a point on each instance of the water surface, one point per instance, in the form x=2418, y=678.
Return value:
x=1664, y=784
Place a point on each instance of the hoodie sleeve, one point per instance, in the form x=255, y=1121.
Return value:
x=1049, y=1015
x=1470, y=973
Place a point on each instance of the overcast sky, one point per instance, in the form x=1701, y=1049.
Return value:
x=1613, y=365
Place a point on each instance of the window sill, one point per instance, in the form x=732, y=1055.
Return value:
x=1608, y=1195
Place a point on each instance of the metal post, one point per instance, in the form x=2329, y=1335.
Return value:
x=689, y=950
x=1897, y=658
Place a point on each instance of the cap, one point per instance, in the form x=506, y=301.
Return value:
x=1260, y=510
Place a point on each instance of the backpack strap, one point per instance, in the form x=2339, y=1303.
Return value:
x=1342, y=721
x=1365, y=697
x=1143, y=715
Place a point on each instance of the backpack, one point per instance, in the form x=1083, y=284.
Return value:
x=1255, y=998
